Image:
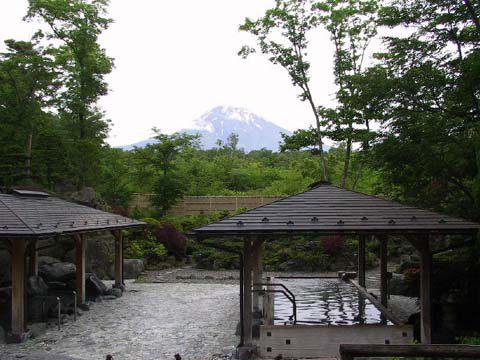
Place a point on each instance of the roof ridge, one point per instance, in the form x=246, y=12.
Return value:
x=258, y=207
x=15, y=214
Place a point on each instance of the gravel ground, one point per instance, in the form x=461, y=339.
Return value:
x=151, y=321
x=184, y=310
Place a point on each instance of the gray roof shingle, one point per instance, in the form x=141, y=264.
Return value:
x=329, y=209
x=27, y=215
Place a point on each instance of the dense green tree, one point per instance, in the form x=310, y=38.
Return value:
x=282, y=35
x=159, y=158
x=430, y=148
x=352, y=25
x=113, y=183
x=27, y=87
x=82, y=63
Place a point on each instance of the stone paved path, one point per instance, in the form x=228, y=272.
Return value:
x=151, y=321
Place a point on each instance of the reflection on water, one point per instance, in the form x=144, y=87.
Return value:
x=325, y=301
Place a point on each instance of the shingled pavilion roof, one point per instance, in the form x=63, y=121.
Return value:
x=328, y=209
x=36, y=214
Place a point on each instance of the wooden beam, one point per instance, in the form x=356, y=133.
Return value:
x=351, y=351
x=257, y=272
x=361, y=260
x=18, y=289
x=80, y=264
x=383, y=270
x=118, y=259
x=33, y=258
x=386, y=312
x=247, y=291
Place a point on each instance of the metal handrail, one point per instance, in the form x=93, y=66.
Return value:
x=287, y=295
x=277, y=284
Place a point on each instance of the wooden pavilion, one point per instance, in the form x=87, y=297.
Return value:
x=27, y=217
x=325, y=209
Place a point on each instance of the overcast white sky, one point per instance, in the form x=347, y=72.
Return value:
x=175, y=60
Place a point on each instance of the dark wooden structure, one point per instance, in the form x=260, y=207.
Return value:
x=27, y=217
x=351, y=351
x=325, y=209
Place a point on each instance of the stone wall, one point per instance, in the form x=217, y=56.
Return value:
x=194, y=205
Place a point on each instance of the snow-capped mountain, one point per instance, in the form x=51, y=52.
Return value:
x=254, y=132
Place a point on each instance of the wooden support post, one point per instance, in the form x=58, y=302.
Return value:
x=33, y=258
x=118, y=259
x=18, y=289
x=383, y=271
x=80, y=265
x=361, y=261
x=247, y=291
x=269, y=304
x=425, y=292
x=257, y=272
x=423, y=246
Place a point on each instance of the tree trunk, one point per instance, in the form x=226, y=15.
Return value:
x=319, y=138
x=472, y=13
x=358, y=174
x=28, y=161
x=346, y=164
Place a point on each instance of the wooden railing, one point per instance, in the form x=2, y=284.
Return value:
x=351, y=351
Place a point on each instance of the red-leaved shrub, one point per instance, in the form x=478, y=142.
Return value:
x=174, y=240
x=332, y=244
x=120, y=210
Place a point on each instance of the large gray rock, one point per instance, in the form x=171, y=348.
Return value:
x=132, y=268
x=61, y=271
x=100, y=253
x=94, y=286
x=47, y=260
x=36, y=286
x=38, y=329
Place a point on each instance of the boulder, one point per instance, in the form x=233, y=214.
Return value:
x=100, y=250
x=59, y=271
x=132, y=268
x=36, y=286
x=94, y=287
x=86, y=195
x=115, y=292
x=38, y=329
x=47, y=260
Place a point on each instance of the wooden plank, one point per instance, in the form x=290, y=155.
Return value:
x=18, y=288
x=350, y=351
x=80, y=265
x=384, y=310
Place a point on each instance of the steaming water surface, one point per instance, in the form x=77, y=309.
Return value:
x=325, y=301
